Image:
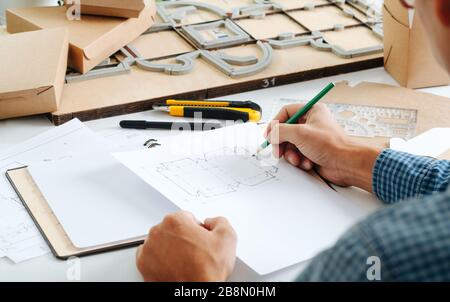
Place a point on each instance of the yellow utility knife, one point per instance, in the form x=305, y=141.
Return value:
x=222, y=110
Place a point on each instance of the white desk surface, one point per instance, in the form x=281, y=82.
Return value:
x=120, y=265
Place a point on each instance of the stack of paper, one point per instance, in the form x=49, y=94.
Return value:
x=19, y=238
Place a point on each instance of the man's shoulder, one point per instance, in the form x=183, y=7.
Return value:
x=412, y=238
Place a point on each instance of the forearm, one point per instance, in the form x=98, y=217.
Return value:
x=357, y=164
x=393, y=176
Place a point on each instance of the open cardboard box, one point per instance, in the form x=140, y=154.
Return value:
x=408, y=55
x=92, y=39
x=113, y=8
x=33, y=70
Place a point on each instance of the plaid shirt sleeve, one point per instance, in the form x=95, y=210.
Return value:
x=398, y=176
x=410, y=240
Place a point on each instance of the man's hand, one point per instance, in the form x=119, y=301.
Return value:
x=183, y=249
x=318, y=140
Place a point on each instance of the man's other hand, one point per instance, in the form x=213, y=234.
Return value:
x=183, y=249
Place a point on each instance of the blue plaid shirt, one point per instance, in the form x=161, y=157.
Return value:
x=406, y=241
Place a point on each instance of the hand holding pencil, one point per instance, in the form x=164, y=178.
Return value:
x=303, y=110
x=317, y=140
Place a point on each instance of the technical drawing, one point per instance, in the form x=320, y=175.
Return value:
x=7, y=193
x=218, y=173
x=11, y=199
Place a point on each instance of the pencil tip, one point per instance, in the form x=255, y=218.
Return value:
x=257, y=152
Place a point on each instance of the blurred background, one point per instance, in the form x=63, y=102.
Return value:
x=4, y=4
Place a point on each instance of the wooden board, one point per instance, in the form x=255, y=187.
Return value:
x=139, y=89
x=279, y=23
x=322, y=18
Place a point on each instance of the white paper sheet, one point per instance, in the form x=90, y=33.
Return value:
x=433, y=143
x=282, y=215
x=98, y=201
x=19, y=238
x=125, y=139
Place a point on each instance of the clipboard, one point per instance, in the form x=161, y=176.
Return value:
x=47, y=222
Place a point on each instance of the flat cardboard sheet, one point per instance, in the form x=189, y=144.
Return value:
x=92, y=39
x=433, y=110
x=33, y=71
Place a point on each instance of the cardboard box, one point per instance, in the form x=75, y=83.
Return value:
x=408, y=55
x=92, y=39
x=114, y=8
x=33, y=68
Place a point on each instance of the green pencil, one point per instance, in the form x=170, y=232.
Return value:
x=294, y=119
